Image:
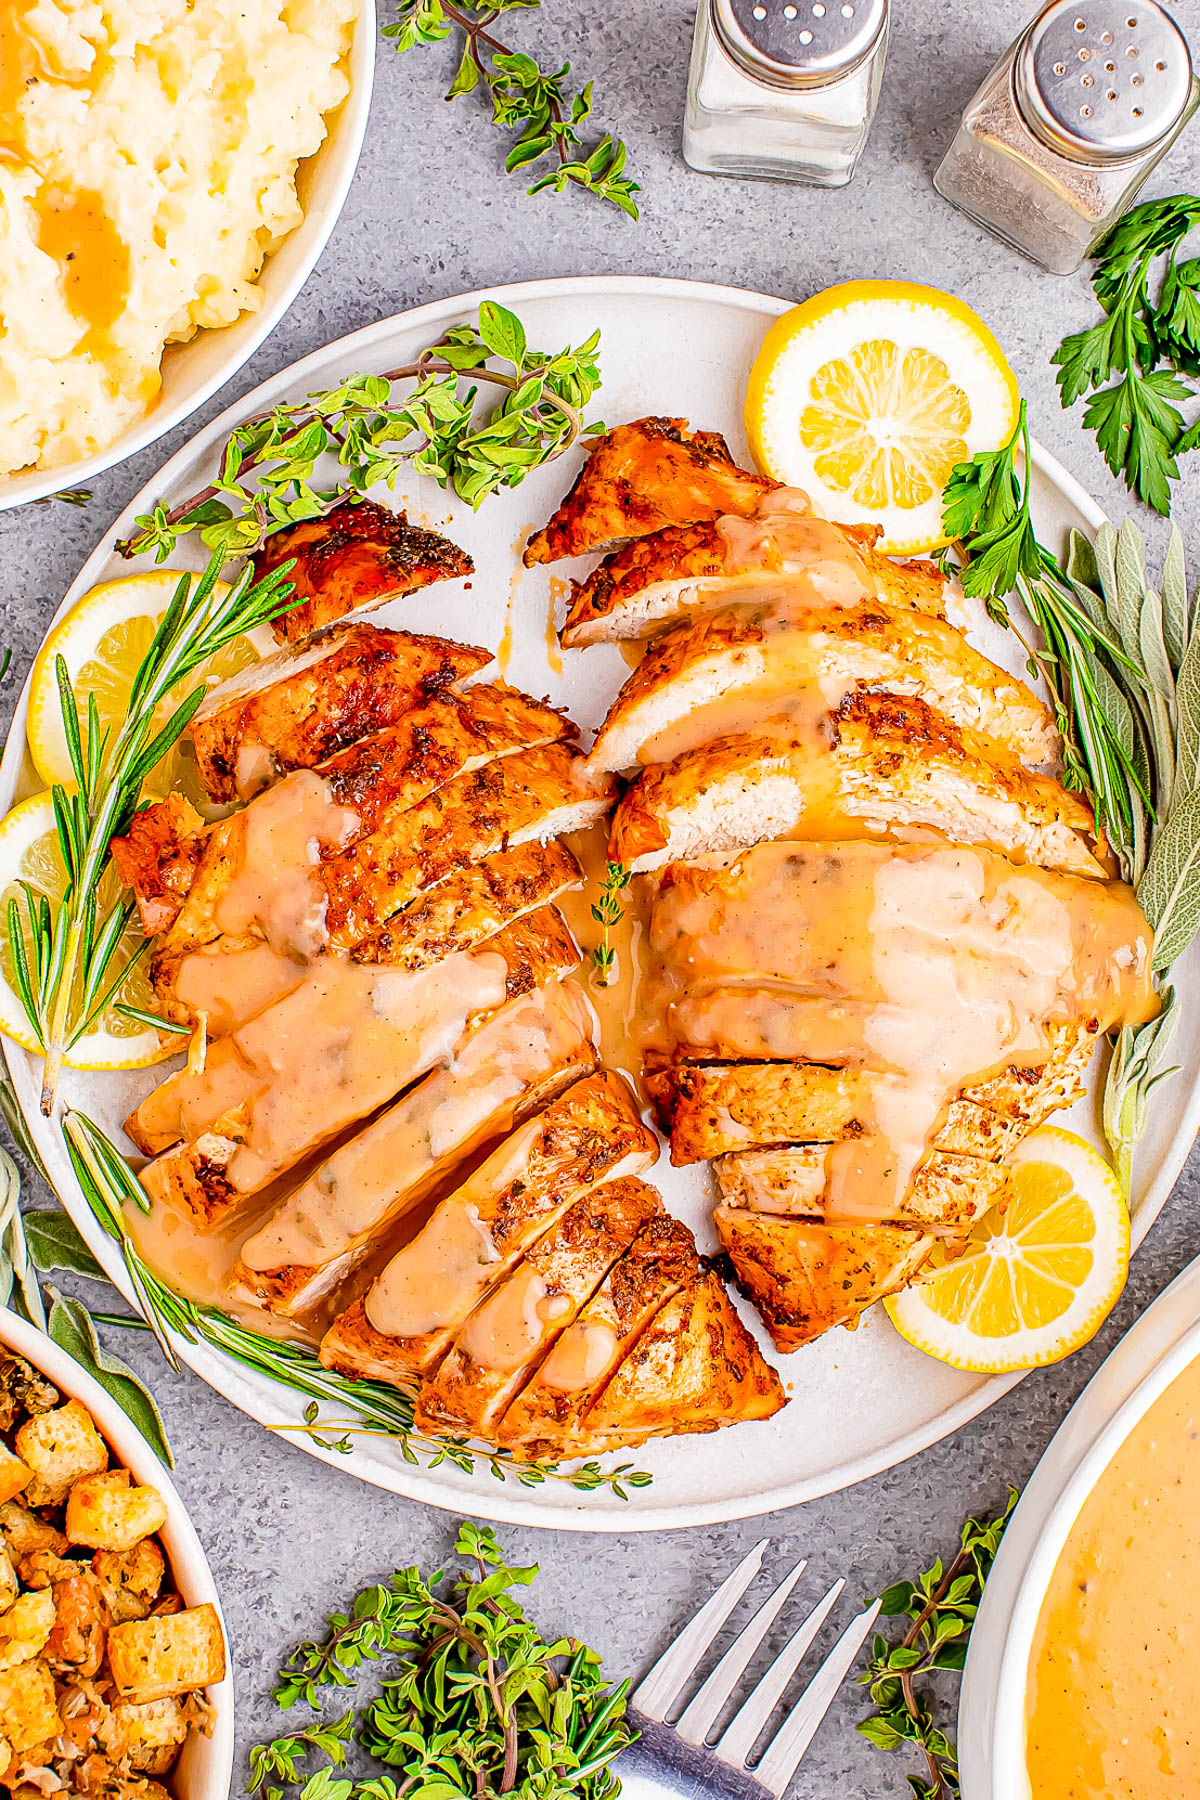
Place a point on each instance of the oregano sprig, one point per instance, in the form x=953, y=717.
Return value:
x=275, y=469
x=526, y=98
x=940, y=1605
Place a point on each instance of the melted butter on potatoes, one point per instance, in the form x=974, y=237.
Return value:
x=148, y=153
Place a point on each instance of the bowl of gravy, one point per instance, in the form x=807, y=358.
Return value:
x=1083, y=1677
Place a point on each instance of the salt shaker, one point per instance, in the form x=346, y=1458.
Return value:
x=1067, y=126
x=784, y=91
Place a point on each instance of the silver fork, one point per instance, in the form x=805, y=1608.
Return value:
x=679, y=1758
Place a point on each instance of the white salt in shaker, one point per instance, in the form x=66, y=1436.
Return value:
x=784, y=91
x=1064, y=131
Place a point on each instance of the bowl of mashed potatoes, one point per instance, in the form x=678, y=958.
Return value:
x=170, y=171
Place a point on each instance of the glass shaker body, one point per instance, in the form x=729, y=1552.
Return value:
x=1053, y=147
x=739, y=123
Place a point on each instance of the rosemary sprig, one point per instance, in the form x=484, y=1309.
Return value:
x=474, y=1702
x=608, y=911
x=363, y=1407
x=941, y=1606
x=1122, y=660
x=71, y=960
x=268, y=472
x=525, y=98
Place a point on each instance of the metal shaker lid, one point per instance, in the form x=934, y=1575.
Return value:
x=1102, y=80
x=798, y=43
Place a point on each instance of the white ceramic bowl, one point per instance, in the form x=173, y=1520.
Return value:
x=194, y=371
x=991, y=1716
x=205, y=1769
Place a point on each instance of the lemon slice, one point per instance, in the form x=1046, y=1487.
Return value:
x=866, y=397
x=103, y=640
x=1037, y=1280
x=30, y=856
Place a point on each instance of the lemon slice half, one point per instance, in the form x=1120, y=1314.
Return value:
x=103, y=641
x=868, y=394
x=1038, y=1279
x=30, y=858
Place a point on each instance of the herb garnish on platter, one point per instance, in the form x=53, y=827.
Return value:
x=941, y=1606
x=608, y=911
x=69, y=963
x=1121, y=657
x=524, y=96
x=474, y=1703
x=1148, y=342
x=269, y=465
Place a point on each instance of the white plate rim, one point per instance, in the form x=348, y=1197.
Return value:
x=1157, y=1348
x=422, y=1485
x=25, y=486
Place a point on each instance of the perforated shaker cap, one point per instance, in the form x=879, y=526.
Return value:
x=798, y=43
x=1103, y=80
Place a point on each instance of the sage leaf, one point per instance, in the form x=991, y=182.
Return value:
x=1176, y=613
x=54, y=1243
x=71, y=1328
x=14, y=1118
x=18, y=1277
x=1187, y=718
x=1169, y=891
x=1131, y=585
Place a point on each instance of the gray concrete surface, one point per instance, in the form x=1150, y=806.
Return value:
x=431, y=214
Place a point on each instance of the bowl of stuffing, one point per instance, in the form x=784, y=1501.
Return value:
x=171, y=174
x=113, y=1667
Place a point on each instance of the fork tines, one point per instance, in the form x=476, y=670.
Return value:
x=655, y=1695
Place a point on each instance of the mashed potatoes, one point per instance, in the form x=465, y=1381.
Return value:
x=148, y=153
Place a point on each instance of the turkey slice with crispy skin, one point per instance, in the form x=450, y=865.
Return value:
x=357, y=555
x=640, y=477
x=654, y=582
x=505, y=1069
x=740, y=669
x=893, y=768
x=299, y=707
x=946, y=1195
x=514, y=1326
x=407, y=1321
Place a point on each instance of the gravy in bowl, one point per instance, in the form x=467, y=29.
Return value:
x=1113, y=1710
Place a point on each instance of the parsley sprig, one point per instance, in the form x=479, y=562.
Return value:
x=941, y=1606
x=375, y=426
x=525, y=98
x=1149, y=341
x=1121, y=656
x=475, y=1703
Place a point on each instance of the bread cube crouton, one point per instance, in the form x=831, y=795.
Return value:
x=104, y=1512
x=145, y=1737
x=24, y=1629
x=60, y=1446
x=24, y=1532
x=132, y=1579
x=15, y=1475
x=6, y=1756
x=42, y=1568
x=28, y=1708
x=8, y=1580
x=76, y=1642
x=152, y=1658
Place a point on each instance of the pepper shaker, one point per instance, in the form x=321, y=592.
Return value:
x=1068, y=125
x=782, y=91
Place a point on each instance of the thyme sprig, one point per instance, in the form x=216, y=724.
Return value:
x=72, y=957
x=475, y=1703
x=363, y=1407
x=376, y=426
x=608, y=911
x=525, y=98
x=941, y=1605
x=1121, y=656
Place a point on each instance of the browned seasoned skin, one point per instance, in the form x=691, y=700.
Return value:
x=615, y=599
x=158, y=858
x=639, y=478
x=298, y=708
x=357, y=555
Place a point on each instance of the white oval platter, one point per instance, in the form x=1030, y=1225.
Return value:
x=193, y=372
x=991, y=1715
x=860, y=1401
